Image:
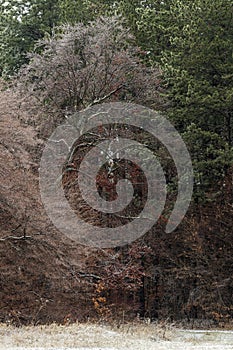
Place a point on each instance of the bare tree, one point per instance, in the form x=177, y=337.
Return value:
x=83, y=65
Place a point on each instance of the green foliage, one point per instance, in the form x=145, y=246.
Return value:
x=198, y=70
x=192, y=43
x=198, y=65
x=148, y=21
x=211, y=156
x=22, y=24
x=75, y=11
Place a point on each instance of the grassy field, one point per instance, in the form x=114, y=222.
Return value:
x=97, y=337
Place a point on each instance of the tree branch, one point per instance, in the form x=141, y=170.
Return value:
x=95, y=102
x=15, y=238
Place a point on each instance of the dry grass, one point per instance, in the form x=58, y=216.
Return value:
x=85, y=335
x=98, y=337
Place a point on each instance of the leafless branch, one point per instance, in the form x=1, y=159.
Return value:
x=102, y=99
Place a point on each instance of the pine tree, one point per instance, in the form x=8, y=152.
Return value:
x=22, y=24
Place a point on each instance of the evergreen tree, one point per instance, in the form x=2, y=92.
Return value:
x=192, y=43
x=148, y=21
x=198, y=65
x=197, y=69
x=22, y=24
x=75, y=11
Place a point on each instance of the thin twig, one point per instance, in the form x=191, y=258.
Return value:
x=16, y=238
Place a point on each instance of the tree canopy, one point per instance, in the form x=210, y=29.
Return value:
x=189, y=41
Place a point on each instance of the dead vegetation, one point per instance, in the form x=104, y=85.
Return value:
x=46, y=278
x=135, y=336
